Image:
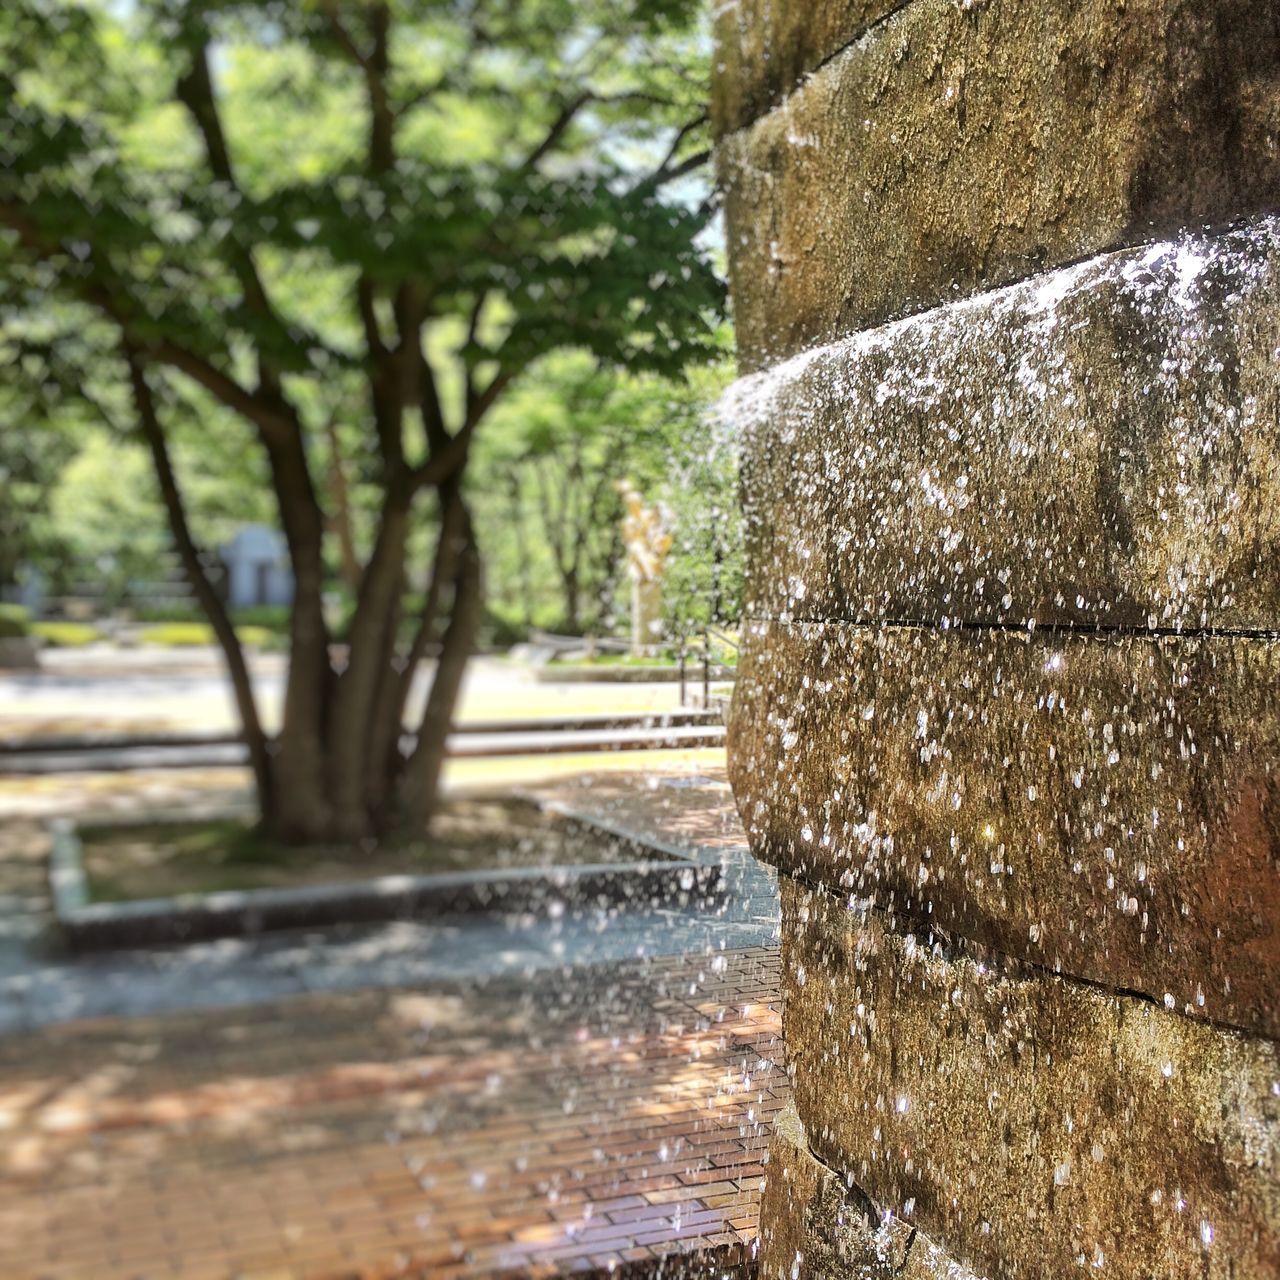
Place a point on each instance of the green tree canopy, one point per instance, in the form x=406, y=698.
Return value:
x=275, y=211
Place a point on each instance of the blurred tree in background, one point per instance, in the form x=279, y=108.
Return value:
x=550, y=512
x=338, y=234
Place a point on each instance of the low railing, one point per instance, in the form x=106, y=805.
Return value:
x=699, y=648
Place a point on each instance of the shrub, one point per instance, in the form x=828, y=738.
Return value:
x=177, y=635
x=66, y=635
x=504, y=624
x=14, y=622
x=260, y=637
x=264, y=617
x=190, y=635
x=503, y=627
x=173, y=612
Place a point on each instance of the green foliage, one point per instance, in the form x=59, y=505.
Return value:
x=14, y=622
x=579, y=251
x=271, y=618
x=300, y=252
x=253, y=619
x=258, y=637
x=181, y=611
x=507, y=624
x=108, y=518
x=546, y=477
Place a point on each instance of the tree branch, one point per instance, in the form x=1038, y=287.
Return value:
x=153, y=433
x=341, y=521
x=265, y=415
x=365, y=305
x=684, y=131
x=669, y=173
x=488, y=397
x=113, y=302
x=431, y=409
x=382, y=155
x=195, y=92
x=375, y=66
x=557, y=130
x=346, y=42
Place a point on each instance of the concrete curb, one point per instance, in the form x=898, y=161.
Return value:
x=229, y=753
x=667, y=674
x=638, y=722
x=665, y=877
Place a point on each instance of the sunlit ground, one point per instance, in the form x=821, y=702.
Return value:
x=80, y=690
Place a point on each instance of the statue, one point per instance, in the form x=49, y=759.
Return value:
x=646, y=533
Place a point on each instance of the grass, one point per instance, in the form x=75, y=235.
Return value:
x=620, y=660
x=171, y=859
x=666, y=659
x=66, y=635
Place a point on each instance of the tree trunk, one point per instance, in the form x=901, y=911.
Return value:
x=522, y=549
x=350, y=729
x=301, y=812
x=385, y=764
x=420, y=787
x=341, y=523
x=572, y=603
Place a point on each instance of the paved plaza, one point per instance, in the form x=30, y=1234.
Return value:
x=599, y=1116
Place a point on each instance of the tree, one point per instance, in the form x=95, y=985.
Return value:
x=559, y=446
x=279, y=210
x=551, y=465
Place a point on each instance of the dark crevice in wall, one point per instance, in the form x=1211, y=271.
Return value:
x=864, y=1205
x=1086, y=630
x=864, y=33
x=957, y=947
x=906, y=1252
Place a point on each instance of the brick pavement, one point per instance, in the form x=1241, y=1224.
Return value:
x=591, y=1118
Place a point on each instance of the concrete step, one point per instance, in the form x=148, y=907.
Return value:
x=218, y=753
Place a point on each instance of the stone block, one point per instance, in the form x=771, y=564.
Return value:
x=1099, y=446
x=964, y=144
x=765, y=48
x=813, y=1226
x=1036, y=1128
x=19, y=653
x=1104, y=804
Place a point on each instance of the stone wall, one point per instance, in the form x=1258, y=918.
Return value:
x=1007, y=287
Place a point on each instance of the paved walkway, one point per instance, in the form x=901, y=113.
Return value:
x=597, y=1117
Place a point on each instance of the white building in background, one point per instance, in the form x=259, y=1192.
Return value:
x=257, y=562
x=29, y=591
